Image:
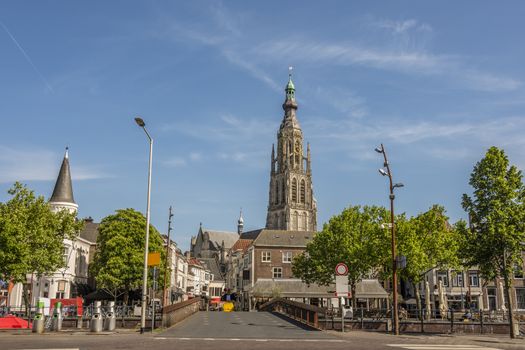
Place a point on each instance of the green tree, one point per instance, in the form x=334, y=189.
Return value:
x=119, y=259
x=32, y=235
x=497, y=219
x=354, y=237
x=427, y=241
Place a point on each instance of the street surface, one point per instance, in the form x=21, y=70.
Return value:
x=247, y=330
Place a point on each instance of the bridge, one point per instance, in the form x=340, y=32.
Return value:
x=260, y=326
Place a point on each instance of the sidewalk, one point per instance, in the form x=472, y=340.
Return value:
x=459, y=338
x=71, y=331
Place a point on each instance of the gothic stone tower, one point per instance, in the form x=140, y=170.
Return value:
x=292, y=205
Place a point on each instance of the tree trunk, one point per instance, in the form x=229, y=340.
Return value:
x=419, y=306
x=26, y=301
x=509, y=302
x=354, y=297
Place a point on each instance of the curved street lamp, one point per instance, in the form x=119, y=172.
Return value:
x=140, y=122
x=393, y=186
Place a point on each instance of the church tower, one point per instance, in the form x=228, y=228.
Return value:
x=62, y=197
x=292, y=205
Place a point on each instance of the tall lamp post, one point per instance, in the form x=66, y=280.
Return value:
x=388, y=173
x=141, y=123
x=165, y=296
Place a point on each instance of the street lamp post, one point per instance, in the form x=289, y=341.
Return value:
x=141, y=123
x=388, y=173
x=165, y=296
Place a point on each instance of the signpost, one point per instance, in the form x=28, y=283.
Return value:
x=153, y=260
x=341, y=288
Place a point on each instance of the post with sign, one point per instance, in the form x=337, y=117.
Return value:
x=341, y=289
x=153, y=260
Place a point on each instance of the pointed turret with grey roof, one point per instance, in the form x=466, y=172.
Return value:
x=62, y=197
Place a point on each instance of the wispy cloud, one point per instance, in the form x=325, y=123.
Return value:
x=225, y=36
x=224, y=128
x=182, y=161
x=439, y=139
x=242, y=140
x=26, y=56
x=39, y=165
x=400, y=60
x=343, y=100
x=175, y=162
x=403, y=26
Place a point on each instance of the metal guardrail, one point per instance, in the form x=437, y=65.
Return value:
x=304, y=313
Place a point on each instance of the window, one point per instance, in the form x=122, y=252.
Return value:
x=491, y=293
x=473, y=278
x=305, y=221
x=61, y=290
x=282, y=192
x=295, y=221
x=294, y=190
x=457, y=279
x=266, y=256
x=518, y=271
x=287, y=257
x=277, y=272
x=301, y=224
x=276, y=192
x=520, y=298
x=443, y=276
x=65, y=255
x=303, y=192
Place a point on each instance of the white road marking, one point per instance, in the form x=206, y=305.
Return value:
x=440, y=347
x=271, y=340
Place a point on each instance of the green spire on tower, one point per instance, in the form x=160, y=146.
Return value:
x=290, y=88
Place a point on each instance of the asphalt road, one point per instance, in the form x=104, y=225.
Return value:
x=242, y=325
x=236, y=331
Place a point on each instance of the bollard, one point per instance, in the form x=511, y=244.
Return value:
x=79, y=322
x=96, y=319
x=56, y=323
x=110, y=320
x=39, y=321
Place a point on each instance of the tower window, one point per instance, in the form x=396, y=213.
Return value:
x=276, y=200
x=295, y=221
x=303, y=192
x=282, y=192
x=294, y=190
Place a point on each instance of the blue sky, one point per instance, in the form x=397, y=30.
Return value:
x=436, y=82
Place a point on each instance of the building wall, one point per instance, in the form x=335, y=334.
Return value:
x=265, y=269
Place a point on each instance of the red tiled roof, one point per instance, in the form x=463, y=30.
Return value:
x=194, y=261
x=241, y=244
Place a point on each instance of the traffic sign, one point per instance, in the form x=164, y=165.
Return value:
x=341, y=286
x=341, y=269
x=153, y=259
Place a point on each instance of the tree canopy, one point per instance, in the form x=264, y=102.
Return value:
x=359, y=238
x=119, y=259
x=32, y=235
x=354, y=237
x=496, y=211
x=427, y=241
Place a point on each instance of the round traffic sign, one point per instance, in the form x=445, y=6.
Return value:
x=341, y=269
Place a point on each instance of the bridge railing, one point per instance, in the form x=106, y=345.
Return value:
x=175, y=313
x=304, y=313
